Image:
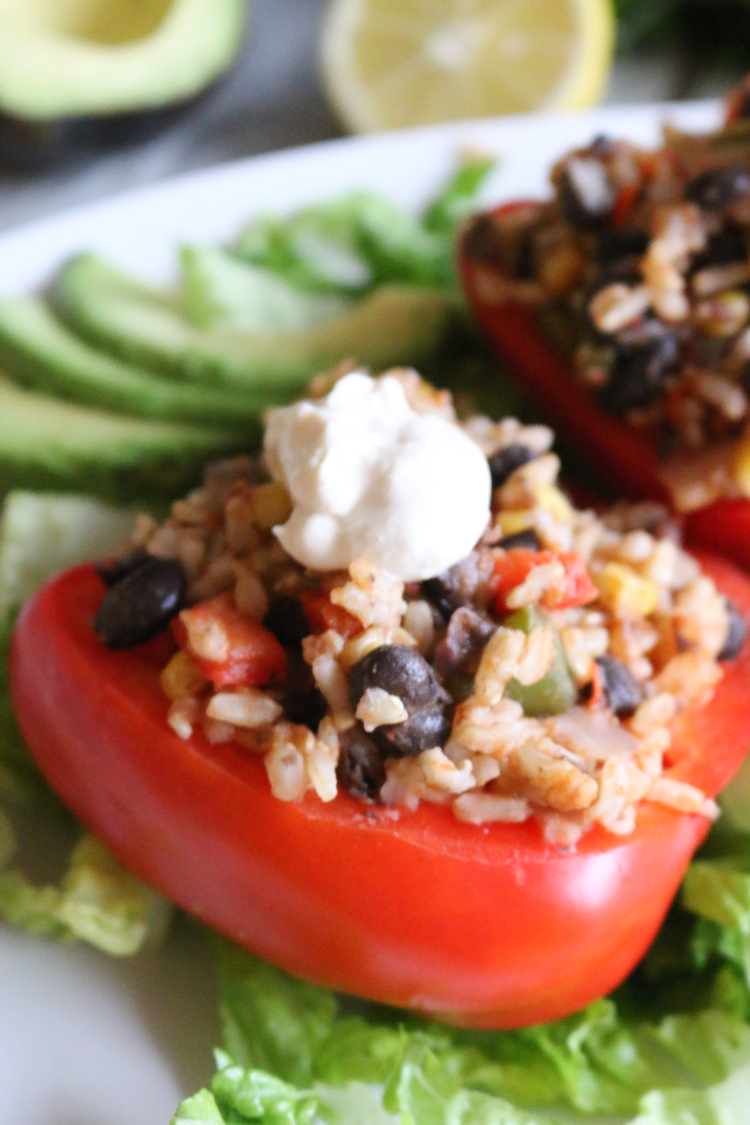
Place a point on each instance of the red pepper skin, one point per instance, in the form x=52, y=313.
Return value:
x=723, y=526
x=622, y=458
x=490, y=927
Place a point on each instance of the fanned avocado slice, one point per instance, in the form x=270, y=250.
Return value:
x=395, y=324
x=45, y=443
x=40, y=352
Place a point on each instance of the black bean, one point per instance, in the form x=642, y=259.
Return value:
x=643, y=359
x=399, y=670
x=586, y=196
x=619, y=242
x=112, y=571
x=723, y=247
x=361, y=766
x=421, y=731
x=621, y=689
x=718, y=187
x=528, y=539
x=463, y=584
x=302, y=702
x=142, y=604
x=465, y=638
x=737, y=634
x=287, y=621
x=505, y=462
x=443, y=593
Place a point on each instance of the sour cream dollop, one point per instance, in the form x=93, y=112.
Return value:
x=371, y=478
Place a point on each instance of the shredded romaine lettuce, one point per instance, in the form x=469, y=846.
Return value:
x=671, y=1047
x=97, y=900
x=291, y=1049
x=362, y=240
x=43, y=533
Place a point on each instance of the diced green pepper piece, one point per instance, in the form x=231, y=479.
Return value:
x=556, y=691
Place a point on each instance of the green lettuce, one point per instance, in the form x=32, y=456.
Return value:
x=96, y=899
x=362, y=240
x=292, y=1049
x=43, y=533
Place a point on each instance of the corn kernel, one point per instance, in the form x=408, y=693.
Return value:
x=372, y=638
x=563, y=269
x=270, y=505
x=181, y=677
x=741, y=464
x=625, y=592
x=514, y=521
x=551, y=499
x=723, y=315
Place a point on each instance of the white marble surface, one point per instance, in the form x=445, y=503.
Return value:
x=272, y=100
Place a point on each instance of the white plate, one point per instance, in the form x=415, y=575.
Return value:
x=85, y=1040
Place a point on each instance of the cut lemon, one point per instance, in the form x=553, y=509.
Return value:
x=394, y=63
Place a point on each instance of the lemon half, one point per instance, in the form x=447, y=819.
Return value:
x=388, y=64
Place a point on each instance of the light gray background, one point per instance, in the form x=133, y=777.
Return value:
x=273, y=99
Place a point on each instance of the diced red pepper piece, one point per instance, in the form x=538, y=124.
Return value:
x=624, y=203
x=323, y=614
x=512, y=568
x=250, y=654
x=579, y=589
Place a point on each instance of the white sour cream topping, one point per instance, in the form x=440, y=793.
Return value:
x=370, y=478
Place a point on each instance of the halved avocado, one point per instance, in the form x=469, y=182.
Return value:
x=79, y=74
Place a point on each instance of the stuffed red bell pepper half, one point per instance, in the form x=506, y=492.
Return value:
x=623, y=304
x=384, y=707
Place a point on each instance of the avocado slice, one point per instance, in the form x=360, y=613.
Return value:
x=219, y=290
x=47, y=444
x=78, y=75
x=394, y=324
x=40, y=352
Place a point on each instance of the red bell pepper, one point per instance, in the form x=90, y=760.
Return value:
x=252, y=654
x=515, y=566
x=490, y=927
x=624, y=459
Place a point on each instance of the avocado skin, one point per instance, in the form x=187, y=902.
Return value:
x=31, y=145
x=78, y=77
x=38, y=351
x=48, y=444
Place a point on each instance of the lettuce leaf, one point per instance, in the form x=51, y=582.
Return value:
x=313, y=1044
x=43, y=533
x=97, y=900
x=361, y=240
